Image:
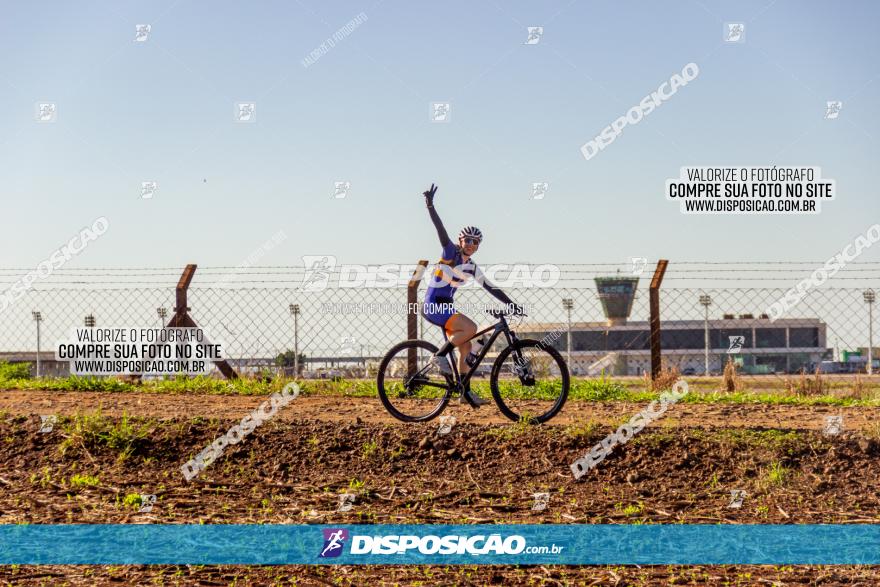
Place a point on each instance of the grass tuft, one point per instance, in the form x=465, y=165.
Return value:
x=93, y=431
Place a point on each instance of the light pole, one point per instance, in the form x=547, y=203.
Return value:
x=294, y=311
x=366, y=359
x=706, y=301
x=38, y=317
x=568, y=304
x=869, y=299
x=90, y=321
x=162, y=312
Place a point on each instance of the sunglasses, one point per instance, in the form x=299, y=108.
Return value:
x=471, y=241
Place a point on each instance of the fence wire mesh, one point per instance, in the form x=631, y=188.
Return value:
x=712, y=316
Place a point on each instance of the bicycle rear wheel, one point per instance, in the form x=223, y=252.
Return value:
x=410, y=384
x=529, y=381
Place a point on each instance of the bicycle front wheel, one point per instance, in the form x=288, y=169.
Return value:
x=529, y=381
x=410, y=384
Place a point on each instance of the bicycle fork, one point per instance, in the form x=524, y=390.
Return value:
x=523, y=368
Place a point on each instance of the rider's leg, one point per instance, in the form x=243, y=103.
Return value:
x=440, y=318
x=460, y=329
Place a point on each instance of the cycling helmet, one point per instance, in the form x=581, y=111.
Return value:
x=472, y=232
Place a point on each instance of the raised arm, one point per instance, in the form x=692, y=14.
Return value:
x=499, y=295
x=435, y=218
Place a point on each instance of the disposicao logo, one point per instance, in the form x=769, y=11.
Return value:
x=481, y=544
x=334, y=540
x=475, y=545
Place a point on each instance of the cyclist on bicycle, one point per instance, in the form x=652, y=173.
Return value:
x=454, y=266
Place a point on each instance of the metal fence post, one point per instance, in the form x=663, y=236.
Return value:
x=869, y=299
x=655, y=316
x=39, y=319
x=412, y=314
x=181, y=318
x=294, y=311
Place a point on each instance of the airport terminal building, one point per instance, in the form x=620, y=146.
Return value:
x=783, y=346
x=622, y=347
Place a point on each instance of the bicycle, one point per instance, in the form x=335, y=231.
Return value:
x=529, y=380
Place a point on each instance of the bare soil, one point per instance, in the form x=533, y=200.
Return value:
x=293, y=468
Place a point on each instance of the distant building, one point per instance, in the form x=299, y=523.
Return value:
x=616, y=295
x=49, y=367
x=619, y=346
x=783, y=346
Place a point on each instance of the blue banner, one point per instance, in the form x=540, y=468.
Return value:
x=569, y=544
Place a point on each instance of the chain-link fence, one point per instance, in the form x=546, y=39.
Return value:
x=598, y=315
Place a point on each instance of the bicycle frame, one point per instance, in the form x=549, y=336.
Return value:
x=497, y=328
x=453, y=382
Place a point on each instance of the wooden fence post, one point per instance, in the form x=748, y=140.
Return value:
x=181, y=318
x=655, y=317
x=412, y=314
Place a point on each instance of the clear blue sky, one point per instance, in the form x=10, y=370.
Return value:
x=163, y=110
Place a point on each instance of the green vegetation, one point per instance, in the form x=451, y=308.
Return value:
x=356, y=486
x=368, y=449
x=131, y=500
x=703, y=390
x=771, y=439
x=713, y=481
x=630, y=510
x=516, y=429
x=14, y=371
x=777, y=474
x=178, y=384
x=83, y=481
x=91, y=431
x=582, y=430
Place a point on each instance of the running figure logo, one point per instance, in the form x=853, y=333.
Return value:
x=539, y=189
x=341, y=189
x=317, y=272
x=142, y=32
x=440, y=111
x=832, y=109
x=47, y=423
x=736, y=344
x=46, y=112
x=334, y=540
x=535, y=34
x=245, y=111
x=148, y=189
x=638, y=264
x=347, y=345
x=734, y=32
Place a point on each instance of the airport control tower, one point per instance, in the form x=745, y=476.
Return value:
x=617, y=295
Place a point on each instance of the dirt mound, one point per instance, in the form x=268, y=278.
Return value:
x=94, y=468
